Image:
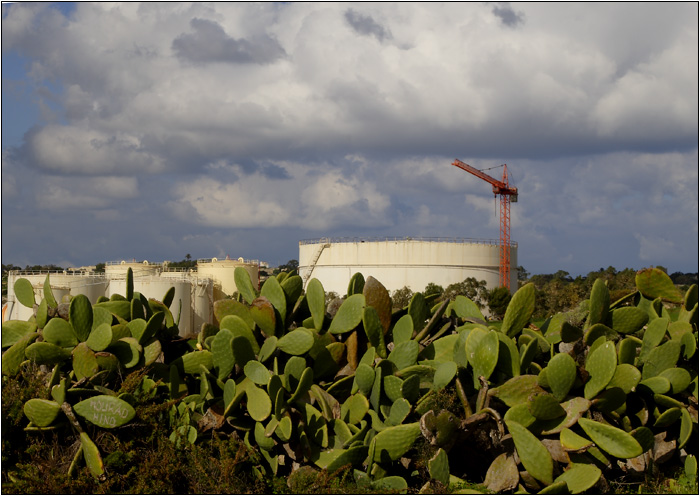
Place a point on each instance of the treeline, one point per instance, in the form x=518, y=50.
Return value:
x=559, y=292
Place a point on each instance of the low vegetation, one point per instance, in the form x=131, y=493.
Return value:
x=293, y=391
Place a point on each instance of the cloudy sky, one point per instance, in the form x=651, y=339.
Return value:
x=154, y=130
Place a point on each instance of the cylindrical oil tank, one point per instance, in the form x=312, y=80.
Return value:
x=63, y=285
x=399, y=262
x=221, y=273
x=156, y=287
x=202, y=302
x=117, y=269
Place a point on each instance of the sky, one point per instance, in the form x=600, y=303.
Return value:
x=156, y=130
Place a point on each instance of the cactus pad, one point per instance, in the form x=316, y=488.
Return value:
x=374, y=329
x=84, y=361
x=533, y=454
x=349, y=314
x=80, y=316
x=502, y=474
x=190, y=362
x=14, y=356
x=263, y=313
x=482, y=352
x=545, y=407
x=393, y=442
x=92, y=457
x=467, y=309
x=580, y=477
x=257, y=372
x=661, y=358
x=272, y=290
x=258, y=403
x=105, y=411
x=610, y=439
x=403, y=330
x=517, y=390
x=377, y=297
x=243, y=284
x=14, y=330
x=354, y=409
x=296, y=342
x=100, y=337
x=60, y=333
x=222, y=358
x=678, y=378
x=44, y=353
x=627, y=320
x=655, y=283
x=519, y=310
x=444, y=374
x=418, y=311
x=404, y=354
x=599, y=303
x=601, y=365
x=41, y=412
x=561, y=374
x=222, y=308
x=316, y=299
x=439, y=467
x=364, y=378
x=24, y=292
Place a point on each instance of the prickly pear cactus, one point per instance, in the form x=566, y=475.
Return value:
x=396, y=396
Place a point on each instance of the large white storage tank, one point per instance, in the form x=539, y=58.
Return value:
x=63, y=284
x=399, y=262
x=221, y=272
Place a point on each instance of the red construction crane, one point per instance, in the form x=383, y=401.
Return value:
x=508, y=195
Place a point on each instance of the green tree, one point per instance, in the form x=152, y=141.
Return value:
x=471, y=288
x=401, y=297
x=433, y=288
x=498, y=301
x=290, y=266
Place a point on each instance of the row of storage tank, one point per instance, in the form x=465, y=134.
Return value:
x=195, y=290
x=396, y=263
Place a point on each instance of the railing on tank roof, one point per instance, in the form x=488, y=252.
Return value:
x=405, y=238
x=227, y=259
x=132, y=261
x=54, y=271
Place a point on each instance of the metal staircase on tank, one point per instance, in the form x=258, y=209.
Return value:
x=324, y=244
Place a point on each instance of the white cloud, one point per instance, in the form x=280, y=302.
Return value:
x=653, y=248
x=67, y=193
x=72, y=149
x=241, y=204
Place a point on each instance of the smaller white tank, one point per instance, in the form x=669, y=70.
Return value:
x=221, y=272
x=63, y=285
x=117, y=269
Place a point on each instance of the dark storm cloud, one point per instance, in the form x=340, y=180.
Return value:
x=192, y=123
x=210, y=43
x=508, y=16
x=366, y=25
